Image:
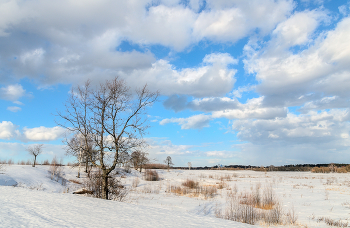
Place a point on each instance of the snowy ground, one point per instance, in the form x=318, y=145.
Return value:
x=39, y=201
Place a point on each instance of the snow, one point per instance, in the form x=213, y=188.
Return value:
x=28, y=206
x=39, y=201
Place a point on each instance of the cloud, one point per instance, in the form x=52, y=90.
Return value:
x=192, y=122
x=8, y=130
x=18, y=103
x=220, y=154
x=14, y=108
x=212, y=79
x=43, y=133
x=166, y=147
x=279, y=154
x=297, y=29
x=229, y=21
x=314, y=137
x=252, y=109
x=86, y=42
x=160, y=148
x=12, y=92
x=179, y=103
x=288, y=78
x=220, y=107
x=312, y=128
x=329, y=102
x=242, y=89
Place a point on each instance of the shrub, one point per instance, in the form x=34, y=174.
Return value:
x=347, y=168
x=342, y=170
x=93, y=184
x=151, y=175
x=190, y=184
x=291, y=216
x=56, y=172
x=321, y=170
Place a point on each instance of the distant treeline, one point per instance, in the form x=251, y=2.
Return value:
x=294, y=167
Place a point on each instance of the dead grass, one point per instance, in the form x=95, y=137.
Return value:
x=151, y=175
x=192, y=188
x=259, y=205
x=321, y=170
x=221, y=185
x=151, y=189
x=190, y=184
x=332, y=222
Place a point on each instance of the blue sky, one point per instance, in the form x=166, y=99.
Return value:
x=256, y=82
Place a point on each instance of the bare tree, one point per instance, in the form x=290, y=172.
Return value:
x=124, y=158
x=113, y=116
x=168, y=161
x=35, y=150
x=85, y=153
x=189, y=165
x=139, y=159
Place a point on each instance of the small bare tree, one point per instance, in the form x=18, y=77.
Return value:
x=124, y=158
x=139, y=159
x=189, y=165
x=85, y=153
x=35, y=150
x=168, y=161
x=113, y=116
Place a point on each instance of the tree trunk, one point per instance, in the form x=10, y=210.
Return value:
x=86, y=164
x=104, y=186
x=34, y=161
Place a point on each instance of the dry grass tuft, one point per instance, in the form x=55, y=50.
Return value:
x=190, y=184
x=252, y=207
x=332, y=222
x=193, y=189
x=321, y=170
x=151, y=175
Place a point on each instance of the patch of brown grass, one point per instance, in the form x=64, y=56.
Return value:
x=193, y=189
x=190, y=184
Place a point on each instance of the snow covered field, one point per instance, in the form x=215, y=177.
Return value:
x=39, y=201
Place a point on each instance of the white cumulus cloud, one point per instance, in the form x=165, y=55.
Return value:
x=12, y=92
x=43, y=133
x=8, y=130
